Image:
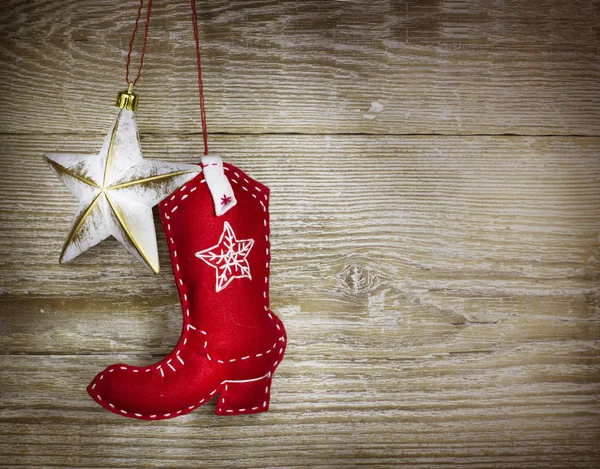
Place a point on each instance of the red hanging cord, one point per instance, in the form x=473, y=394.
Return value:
x=137, y=21
x=197, y=40
x=200, y=85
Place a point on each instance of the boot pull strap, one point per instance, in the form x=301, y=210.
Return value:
x=218, y=184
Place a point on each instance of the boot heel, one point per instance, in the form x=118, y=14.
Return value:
x=245, y=396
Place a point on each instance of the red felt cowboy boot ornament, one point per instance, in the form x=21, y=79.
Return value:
x=231, y=342
x=217, y=231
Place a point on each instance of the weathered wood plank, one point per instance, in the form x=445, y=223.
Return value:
x=382, y=247
x=441, y=294
x=385, y=67
x=512, y=409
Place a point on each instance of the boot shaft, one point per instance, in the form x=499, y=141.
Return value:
x=221, y=264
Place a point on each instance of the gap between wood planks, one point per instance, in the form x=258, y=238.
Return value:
x=316, y=134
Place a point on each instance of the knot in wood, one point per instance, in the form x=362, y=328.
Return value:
x=358, y=279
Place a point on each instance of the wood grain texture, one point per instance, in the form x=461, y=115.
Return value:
x=441, y=293
x=441, y=299
x=435, y=66
x=501, y=410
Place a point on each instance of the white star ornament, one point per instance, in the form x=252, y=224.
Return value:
x=117, y=189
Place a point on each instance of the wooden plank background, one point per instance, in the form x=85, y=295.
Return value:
x=435, y=175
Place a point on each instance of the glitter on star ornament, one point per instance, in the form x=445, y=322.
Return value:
x=117, y=189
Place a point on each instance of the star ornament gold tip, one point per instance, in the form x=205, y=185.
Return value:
x=117, y=189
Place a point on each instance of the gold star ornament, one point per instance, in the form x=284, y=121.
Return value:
x=117, y=189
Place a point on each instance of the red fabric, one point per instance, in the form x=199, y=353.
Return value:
x=231, y=342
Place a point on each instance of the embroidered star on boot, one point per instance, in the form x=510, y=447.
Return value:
x=228, y=257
